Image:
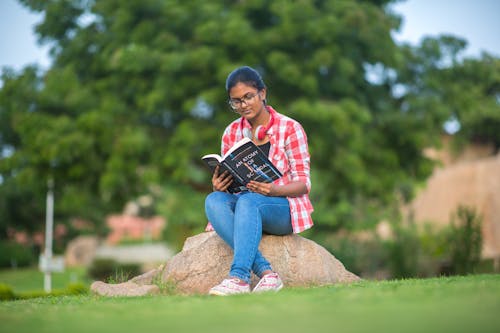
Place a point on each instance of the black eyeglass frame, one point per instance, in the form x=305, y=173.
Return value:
x=236, y=103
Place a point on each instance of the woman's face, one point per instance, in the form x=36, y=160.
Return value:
x=247, y=100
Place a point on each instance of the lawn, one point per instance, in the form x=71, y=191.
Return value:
x=31, y=279
x=454, y=304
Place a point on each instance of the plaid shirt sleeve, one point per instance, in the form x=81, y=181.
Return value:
x=230, y=137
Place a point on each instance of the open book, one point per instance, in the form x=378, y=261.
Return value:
x=246, y=162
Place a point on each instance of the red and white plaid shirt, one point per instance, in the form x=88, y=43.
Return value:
x=289, y=153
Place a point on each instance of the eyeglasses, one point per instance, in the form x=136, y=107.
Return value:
x=237, y=103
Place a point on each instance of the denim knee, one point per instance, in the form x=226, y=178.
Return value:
x=213, y=200
x=248, y=201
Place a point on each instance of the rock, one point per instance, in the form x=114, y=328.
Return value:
x=80, y=251
x=123, y=289
x=205, y=261
x=149, y=277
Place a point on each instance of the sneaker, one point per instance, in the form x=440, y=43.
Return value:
x=230, y=287
x=269, y=282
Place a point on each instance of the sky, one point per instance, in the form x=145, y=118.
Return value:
x=477, y=21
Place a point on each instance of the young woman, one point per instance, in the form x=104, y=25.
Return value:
x=279, y=208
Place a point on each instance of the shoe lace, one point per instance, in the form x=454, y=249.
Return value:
x=271, y=278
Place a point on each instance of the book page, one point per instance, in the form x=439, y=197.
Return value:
x=236, y=146
x=212, y=156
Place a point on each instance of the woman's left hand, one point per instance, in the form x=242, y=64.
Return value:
x=262, y=188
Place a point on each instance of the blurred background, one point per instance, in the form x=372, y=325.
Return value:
x=115, y=102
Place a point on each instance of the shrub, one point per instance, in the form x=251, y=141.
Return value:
x=105, y=269
x=434, y=252
x=71, y=289
x=465, y=240
x=6, y=293
x=412, y=252
x=403, y=252
x=363, y=255
x=33, y=294
x=124, y=272
x=101, y=269
x=77, y=288
x=13, y=254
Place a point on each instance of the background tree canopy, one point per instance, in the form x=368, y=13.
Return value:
x=136, y=95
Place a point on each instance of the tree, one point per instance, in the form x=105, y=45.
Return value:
x=473, y=93
x=135, y=96
x=441, y=85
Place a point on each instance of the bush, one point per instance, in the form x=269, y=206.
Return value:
x=104, y=269
x=14, y=255
x=6, y=293
x=412, y=252
x=101, y=269
x=465, y=240
x=77, y=288
x=364, y=256
x=403, y=252
x=33, y=294
x=434, y=252
x=71, y=289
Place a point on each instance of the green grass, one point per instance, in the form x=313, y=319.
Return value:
x=31, y=279
x=455, y=304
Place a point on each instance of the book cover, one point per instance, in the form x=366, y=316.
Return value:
x=245, y=161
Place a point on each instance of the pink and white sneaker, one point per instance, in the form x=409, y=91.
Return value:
x=269, y=282
x=230, y=286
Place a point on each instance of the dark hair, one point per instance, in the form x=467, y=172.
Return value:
x=246, y=75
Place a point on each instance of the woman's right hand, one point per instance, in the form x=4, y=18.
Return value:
x=220, y=182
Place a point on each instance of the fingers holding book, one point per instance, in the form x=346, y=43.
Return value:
x=221, y=182
x=262, y=188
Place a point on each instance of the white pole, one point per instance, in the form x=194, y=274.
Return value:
x=49, y=223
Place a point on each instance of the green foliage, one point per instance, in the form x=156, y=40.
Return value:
x=77, y=288
x=135, y=96
x=6, y=292
x=403, y=252
x=410, y=251
x=436, y=77
x=109, y=270
x=184, y=210
x=433, y=251
x=478, y=111
x=14, y=255
x=71, y=290
x=465, y=240
x=362, y=254
x=168, y=287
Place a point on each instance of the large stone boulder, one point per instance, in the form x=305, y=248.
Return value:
x=205, y=261
x=80, y=251
x=128, y=288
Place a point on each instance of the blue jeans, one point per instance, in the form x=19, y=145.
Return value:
x=240, y=220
